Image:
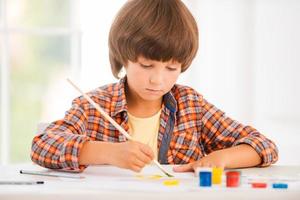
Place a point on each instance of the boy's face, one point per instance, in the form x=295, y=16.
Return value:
x=151, y=79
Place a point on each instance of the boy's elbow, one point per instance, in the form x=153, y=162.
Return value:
x=269, y=155
x=38, y=155
x=35, y=150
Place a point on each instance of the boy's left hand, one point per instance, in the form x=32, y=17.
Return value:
x=214, y=159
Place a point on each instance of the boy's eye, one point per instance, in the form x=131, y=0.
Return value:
x=171, y=68
x=146, y=66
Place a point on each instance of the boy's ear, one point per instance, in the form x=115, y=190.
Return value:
x=122, y=72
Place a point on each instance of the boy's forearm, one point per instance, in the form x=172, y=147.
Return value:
x=240, y=156
x=95, y=152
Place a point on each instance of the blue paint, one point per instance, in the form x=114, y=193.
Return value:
x=280, y=185
x=205, y=178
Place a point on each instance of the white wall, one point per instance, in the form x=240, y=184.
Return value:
x=247, y=65
x=277, y=69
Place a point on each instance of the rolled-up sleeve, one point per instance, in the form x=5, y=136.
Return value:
x=59, y=145
x=220, y=131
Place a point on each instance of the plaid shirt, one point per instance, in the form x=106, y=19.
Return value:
x=190, y=128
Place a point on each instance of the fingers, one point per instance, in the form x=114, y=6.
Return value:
x=144, y=156
x=148, y=154
x=136, y=168
x=139, y=156
x=134, y=163
x=194, y=165
x=207, y=164
x=202, y=164
x=183, y=168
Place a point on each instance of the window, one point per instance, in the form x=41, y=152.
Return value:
x=39, y=47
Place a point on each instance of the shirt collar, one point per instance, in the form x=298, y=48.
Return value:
x=170, y=101
x=119, y=102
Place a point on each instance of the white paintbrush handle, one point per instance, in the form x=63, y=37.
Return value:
x=110, y=120
x=101, y=111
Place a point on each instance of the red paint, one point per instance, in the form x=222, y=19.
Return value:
x=259, y=185
x=232, y=179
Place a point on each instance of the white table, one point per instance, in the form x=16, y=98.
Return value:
x=107, y=182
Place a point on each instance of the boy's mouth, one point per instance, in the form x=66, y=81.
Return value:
x=153, y=90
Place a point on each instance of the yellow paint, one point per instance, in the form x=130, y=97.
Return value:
x=217, y=175
x=155, y=177
x=172, y=182
x=139, y=176
x=149, y=177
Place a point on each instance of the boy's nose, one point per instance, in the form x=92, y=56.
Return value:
x=156, y=79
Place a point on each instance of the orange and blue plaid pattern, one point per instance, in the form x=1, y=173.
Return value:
x=190, y=128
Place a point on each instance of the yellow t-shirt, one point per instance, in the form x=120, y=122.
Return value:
x=145, y=130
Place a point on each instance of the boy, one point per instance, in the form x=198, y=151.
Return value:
x=154, y=40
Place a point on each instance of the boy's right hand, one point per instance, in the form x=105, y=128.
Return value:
x=131, y=155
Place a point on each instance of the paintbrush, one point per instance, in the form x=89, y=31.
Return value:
x=116, y=125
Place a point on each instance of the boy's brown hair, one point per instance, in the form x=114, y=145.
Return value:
x=159, y=30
